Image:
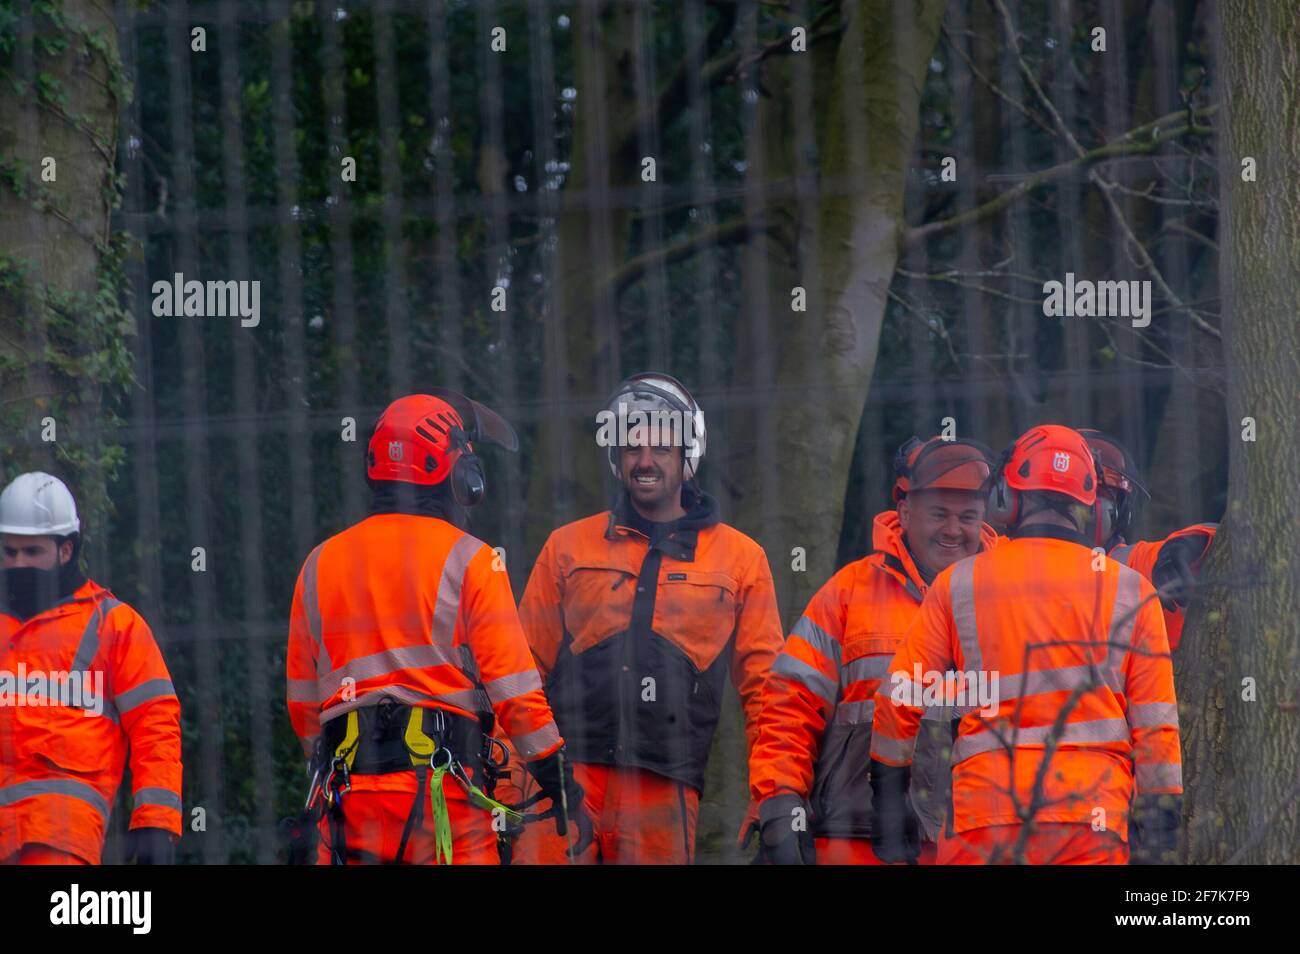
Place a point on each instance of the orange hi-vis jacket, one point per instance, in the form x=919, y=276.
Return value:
x=61, y=764
x=814, y=733
x=636, y=640
x=1037, y=615
x=412, y=608
x=1142, y=557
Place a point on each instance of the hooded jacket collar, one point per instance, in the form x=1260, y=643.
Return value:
x=1050, y=531
x=676, y=538
x=88, y=591
x=391, y=496
x=887, y=540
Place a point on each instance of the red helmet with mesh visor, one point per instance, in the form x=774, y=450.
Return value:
x=940, y=464
x=425, y=439
x=1118, y=470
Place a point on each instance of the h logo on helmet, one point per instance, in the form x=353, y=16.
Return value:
x=1061, y=462
x=395, y=450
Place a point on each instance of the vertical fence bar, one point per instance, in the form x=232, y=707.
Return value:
x=452, y=365
x=341, y=261
x=554, y=385
x=194, y=404
x=396, y=308
x=252, y=570
x=302, y=501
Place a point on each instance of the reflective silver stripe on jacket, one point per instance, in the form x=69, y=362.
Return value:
x=447, y=608
x=1146, y=715
x=866, y=667
x=512, y=686
x=537, y=741
x=798, y=670
x=157, y=796
x=1096, y=730
x=1128, y=596
x=892, y=750
x=89, y=645
x=311, y=609
x=855, y=713
x=1158, y=775
x=384, y=663
x=55, y=786
x=817, y=638
x=1063, y=679
x=147, y=691
x=962, y=585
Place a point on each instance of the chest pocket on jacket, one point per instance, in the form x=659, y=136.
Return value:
x=867, y=656
x=597, y=602
x=696, y=611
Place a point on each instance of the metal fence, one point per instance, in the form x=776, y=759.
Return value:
x=238, y=438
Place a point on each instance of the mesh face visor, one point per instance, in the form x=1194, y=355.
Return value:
x=481, y=423
x=1117, y=471
x=949, y=465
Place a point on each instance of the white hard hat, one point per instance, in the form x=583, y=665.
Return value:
x=655, y=391
x=38, y=505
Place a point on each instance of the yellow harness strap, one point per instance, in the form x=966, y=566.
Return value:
x=347, y=749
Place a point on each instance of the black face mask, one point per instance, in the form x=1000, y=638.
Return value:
x=29, y=590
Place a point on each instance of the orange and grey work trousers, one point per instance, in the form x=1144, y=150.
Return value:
x=1051, y=843
x=638, y=818
x=375, y=813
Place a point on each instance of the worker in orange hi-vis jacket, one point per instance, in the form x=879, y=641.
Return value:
x=638, y=617
x=405, y=649
x=1173, y=564
x=1056, y=653
x=83, y=692
x=808, y=769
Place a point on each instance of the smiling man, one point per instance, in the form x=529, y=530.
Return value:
x=808, y=770
x=637, y=617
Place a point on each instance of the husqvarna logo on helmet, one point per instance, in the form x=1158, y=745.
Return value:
x=395, y=450
x=1061, y=462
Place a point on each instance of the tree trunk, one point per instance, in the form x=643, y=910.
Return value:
x=800, y=399
x=1242, y=747
x=581, y=345
x=62, y=330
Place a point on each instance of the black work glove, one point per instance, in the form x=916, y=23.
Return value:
x=1173, y=575
x=784, y=838
x=151, y=846
x=554, y=775
x=301, y=833
x=895, y=829
x=1153, y=829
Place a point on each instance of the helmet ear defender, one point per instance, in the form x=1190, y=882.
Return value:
x=468, y=483
x=1003, y=506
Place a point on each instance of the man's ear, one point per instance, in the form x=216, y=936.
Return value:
x=65, y=551
x=904, y=513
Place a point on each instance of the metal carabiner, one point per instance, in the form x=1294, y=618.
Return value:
x=446, y=752
x=492, y=743
x=313, y=790
x=338, y=767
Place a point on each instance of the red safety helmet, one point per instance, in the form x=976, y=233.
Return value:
x=425, y=439
x=1118, y=473
x=1049, y=457
x=940, y=464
